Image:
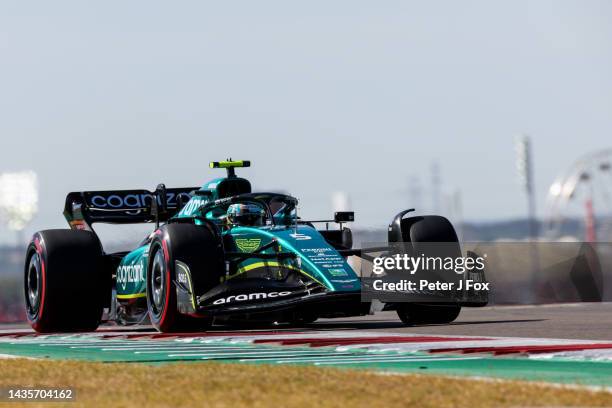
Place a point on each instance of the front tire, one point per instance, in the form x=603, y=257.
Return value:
x=199, y=248
x=430, y=234
x=64, y=282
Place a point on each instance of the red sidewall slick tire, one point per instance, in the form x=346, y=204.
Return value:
x=197, y=247
x=163, y=314
x=35, y=307
x=64, y=281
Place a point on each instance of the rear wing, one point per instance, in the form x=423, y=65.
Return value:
x=84, y=208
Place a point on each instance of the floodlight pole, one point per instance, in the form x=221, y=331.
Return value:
x=524, y=165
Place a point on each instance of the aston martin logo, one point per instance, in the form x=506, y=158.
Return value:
x=248, y=244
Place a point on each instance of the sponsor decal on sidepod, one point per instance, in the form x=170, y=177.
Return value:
x=130, y=274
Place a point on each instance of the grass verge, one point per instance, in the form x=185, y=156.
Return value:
x=235, y=385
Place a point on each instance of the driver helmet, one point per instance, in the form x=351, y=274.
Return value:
x=245, y=214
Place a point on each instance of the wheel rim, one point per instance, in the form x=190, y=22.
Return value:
x=158, y=282
x=33, y=280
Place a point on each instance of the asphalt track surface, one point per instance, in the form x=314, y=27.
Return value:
x=591, y=321
x=588, y=321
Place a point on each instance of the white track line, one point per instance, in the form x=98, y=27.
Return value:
x=186, y=350
x=279, y=353
x=397, y=361
x=11, y=356
x=170, y=346
x=353, y=357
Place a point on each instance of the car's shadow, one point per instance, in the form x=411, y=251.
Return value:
x=375, y=324
x=364, y=325
x=332, y=325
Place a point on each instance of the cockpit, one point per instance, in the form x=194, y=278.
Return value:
x=253, y=209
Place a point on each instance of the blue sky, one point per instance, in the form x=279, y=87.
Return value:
x=322, y=96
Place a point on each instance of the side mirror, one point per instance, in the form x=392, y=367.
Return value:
x=162, y=198
x=159, y=204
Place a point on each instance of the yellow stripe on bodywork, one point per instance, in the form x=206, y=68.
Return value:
x=256, y=265
x=132, y=296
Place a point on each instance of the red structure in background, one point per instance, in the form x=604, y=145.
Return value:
x=589, y=222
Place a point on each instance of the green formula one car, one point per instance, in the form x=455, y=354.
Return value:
x=218, y=254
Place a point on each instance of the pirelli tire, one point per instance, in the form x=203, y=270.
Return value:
x=200, y=249
x=65, y=284
x=420, y=232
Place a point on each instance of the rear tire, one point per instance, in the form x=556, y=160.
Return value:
x=200, y=249
x=64, y=281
